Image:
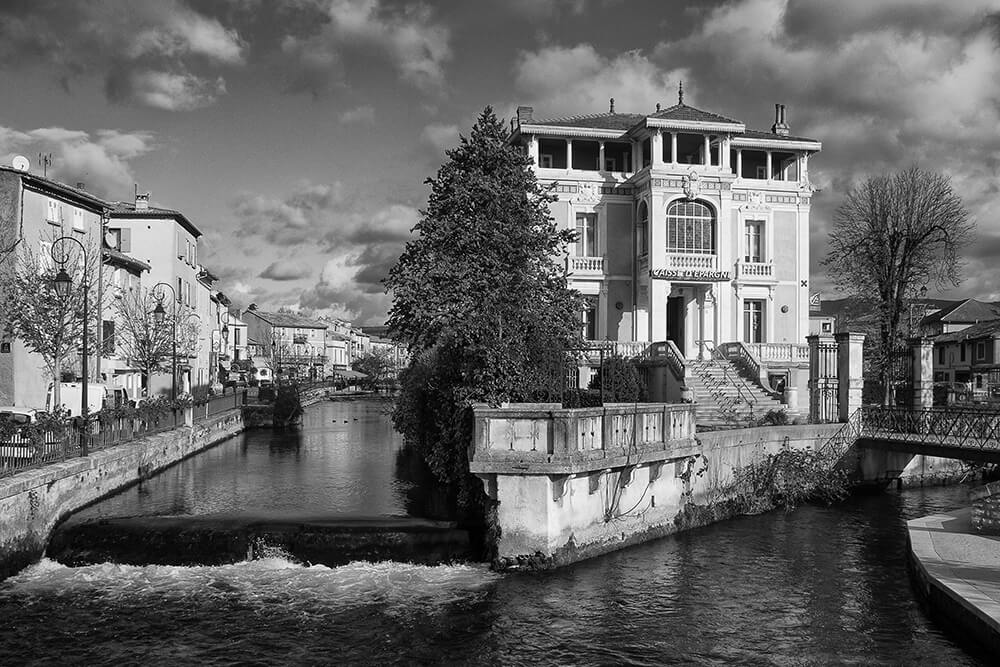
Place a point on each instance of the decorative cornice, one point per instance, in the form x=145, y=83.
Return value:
x=565, y=131
x=695, y=125
x=746, y=142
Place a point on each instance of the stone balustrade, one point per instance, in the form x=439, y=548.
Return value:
x=754, y=270
x=692, y=261
x=541, y=439
x=585, y=265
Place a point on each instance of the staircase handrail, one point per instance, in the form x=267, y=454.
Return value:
x=743, y=391
x=845, y=436
x=744, y=359
x=668, y=351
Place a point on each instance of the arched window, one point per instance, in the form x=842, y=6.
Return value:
x=642, y=229
x=690, y=228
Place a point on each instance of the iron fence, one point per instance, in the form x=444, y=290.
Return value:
x=945, y=427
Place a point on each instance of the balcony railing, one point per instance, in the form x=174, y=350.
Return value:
x=692, y=261
x=779, y=352
x=585, y=266
x=754, y=270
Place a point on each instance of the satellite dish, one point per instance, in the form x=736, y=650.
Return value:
x=111, y=240
x=20, y=163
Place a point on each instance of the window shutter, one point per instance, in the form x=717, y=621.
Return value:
x=125, y=239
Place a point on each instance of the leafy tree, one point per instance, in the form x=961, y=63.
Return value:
x=34, y=312
x=377, y=365
x=478, y=299
x=623, y=384
x=892, y=235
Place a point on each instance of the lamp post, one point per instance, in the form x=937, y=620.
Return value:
x=158, y=315
x=63, y=283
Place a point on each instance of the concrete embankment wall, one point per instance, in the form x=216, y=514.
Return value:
x=571, y=484
x=32, y=502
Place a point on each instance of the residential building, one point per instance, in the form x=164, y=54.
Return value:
x=957, y=316
x=34, y=211
x=124, y=279
x=297, y=343
x=691, y=227
x=167, y=241
x=971, y=357
x=338, y=356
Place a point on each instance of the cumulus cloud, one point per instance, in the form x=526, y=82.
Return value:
x=409, y=37
x=160, y=53
x=99, y=160
x=440, y=136
x=560, y=80
x=287, y=269
x=364, y=114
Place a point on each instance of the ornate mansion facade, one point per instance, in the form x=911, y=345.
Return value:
x=691, y=227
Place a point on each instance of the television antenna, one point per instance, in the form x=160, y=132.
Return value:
x=46, y=162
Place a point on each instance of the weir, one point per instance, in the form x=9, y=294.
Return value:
x=220, y=539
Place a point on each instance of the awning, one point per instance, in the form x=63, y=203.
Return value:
x=350, y=375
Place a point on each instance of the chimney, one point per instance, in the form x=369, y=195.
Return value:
x=780, y=126
x=524, y=115
x=141, y=201
x=252, y=306
x=80, y=185
x=612, y=109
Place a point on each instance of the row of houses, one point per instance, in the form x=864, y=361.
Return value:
x=138, y=249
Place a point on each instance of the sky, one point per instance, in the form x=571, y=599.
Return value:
x=298, y=135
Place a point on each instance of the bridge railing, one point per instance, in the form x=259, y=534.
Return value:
x=949, y=427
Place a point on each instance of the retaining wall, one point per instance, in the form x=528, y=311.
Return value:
x=33, y=502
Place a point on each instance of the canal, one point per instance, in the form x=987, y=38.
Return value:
x=815, y=586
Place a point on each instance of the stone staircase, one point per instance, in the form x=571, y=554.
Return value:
x=724, y=398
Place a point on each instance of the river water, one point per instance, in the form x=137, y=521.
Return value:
x=815, y=586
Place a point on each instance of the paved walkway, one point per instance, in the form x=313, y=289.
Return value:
x=963, y=566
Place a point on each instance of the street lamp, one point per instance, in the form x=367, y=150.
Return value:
x=63, y=283
x=158, y=314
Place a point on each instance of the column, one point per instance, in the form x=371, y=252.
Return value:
x=708, y=151
x=739, y=163
x=656, y=148
x=706, y=304
x=922, y=351
x=659, y=291
x=533, y=149
x=602, y=313
x=823, y=393
x=724, y=162
x=601, y=164
x=850, y=374
x=569, y=154
x=673, y=148
x=769, y=165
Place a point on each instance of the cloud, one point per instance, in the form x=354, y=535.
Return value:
x=561, y=80
x=882, y=85
x=408, y=37
x=160, y=53
x=360, y=115
x=101, y=161
x=286, y=270
x=440, y=136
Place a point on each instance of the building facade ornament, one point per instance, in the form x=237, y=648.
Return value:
x=588, y=192
x=755, y=201
x=692, y=184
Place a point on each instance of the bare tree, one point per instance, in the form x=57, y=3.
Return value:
x=892, y=235
x=47, y=323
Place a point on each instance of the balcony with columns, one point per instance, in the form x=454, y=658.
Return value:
x=755, y=271
x=585, y=267
x=679, y=261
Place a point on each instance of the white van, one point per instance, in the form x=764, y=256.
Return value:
x=71, y=397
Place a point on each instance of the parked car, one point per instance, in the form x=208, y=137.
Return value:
x=236, y=380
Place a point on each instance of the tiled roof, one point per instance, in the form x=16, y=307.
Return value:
x=62, y=188
x=683, y=112
x=600, y=121
x=116, y=258
x=128, y=210
x=286, y=320
x=981, y=330
x=969, y=310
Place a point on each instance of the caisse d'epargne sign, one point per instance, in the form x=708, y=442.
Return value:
x=689, y=274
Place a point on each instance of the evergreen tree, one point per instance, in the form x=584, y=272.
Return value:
x=478, y=298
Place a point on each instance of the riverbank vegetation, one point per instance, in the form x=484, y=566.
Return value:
x=480, y=302
x=786, y=478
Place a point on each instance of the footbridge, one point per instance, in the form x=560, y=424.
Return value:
x=968, y=434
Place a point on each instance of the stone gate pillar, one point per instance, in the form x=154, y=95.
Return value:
x=822, y=378
x=922, y=351
x=850, y=372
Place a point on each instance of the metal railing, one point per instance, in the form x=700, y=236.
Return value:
x=943, y=427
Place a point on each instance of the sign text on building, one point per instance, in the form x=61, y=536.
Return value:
x=689, y=274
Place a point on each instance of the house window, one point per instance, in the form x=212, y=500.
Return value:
x=586, y=234
x=52, y=211
x=121, y=238
x=980, y=350
x=545, y=161
x=690, y=228
x=642, y=229
x=753, y=321
x=236, y=336
x=941, y=355
x=78, y=220
x=754, y=241
x=827, y=327
x=590, y=320
x=5, y=347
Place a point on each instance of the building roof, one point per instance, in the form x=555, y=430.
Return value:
x=602, y=121
x=683, y=112
x=115, y=258
x=987, y=329
x=767, y=135
x=77, y=195
x=128, y=210
x=285, y=320
x=968, y=311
